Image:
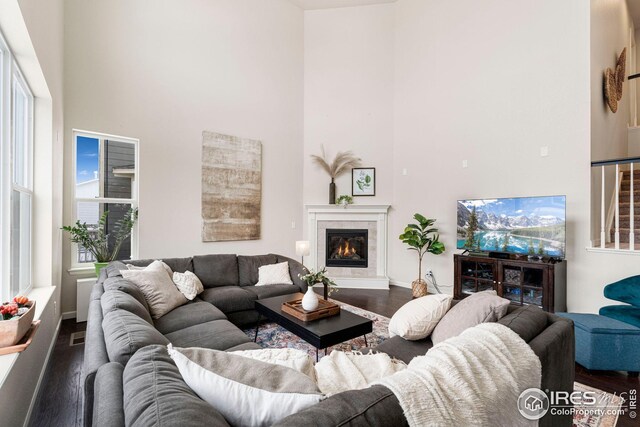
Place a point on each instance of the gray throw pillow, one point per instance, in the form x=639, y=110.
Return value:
x=478, y=308
x=158, y=288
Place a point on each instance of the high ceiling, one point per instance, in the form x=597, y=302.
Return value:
x=330, y=4
x=634, y=10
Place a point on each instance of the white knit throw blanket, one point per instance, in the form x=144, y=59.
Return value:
x=473, y=379
x=342, y=371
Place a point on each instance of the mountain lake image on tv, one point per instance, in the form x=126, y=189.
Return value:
x=521, y=225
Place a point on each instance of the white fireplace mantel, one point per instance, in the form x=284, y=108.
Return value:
x=338, y=213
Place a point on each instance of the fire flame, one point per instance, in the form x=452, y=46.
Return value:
x=347, y=250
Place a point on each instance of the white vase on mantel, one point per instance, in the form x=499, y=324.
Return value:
x=310, y=300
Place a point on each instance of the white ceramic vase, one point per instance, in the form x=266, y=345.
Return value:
x=310, y=300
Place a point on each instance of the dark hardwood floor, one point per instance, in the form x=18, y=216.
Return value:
x=60, y=401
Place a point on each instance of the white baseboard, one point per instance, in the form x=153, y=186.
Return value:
x=34, y=398
x=381, y=283
x=401, y=284
x=68, y=315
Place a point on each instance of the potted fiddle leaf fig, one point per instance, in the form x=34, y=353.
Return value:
x=103, y=246
x=423, y=238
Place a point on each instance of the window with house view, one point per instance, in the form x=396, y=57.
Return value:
x=105, y=182
x=16, y=177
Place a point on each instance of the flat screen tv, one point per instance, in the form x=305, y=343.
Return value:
x=520, y=225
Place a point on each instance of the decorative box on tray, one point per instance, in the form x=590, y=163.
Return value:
x=325, y=309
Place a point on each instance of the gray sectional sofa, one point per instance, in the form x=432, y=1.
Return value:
x=129, y=379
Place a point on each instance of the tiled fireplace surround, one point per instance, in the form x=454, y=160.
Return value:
x=370, y=217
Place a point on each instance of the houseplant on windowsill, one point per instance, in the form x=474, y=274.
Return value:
x=103, y=246
x=312, y=279
x=15, y=320
x=422, y=238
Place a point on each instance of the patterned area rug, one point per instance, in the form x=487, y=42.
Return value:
x=609, y=403
x=274, y=336
x=270, y=335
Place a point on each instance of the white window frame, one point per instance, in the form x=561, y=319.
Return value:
x=11, y=75
x=133, y=201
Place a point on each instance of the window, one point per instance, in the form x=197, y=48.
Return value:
x=105, y=171
x=16, y=180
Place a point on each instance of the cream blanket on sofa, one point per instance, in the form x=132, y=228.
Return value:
x=473, y=379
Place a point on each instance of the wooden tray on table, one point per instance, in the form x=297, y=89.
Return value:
x=325, y=309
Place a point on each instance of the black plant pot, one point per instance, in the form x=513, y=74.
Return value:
x=332, y=193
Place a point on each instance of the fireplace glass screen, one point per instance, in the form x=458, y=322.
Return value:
x=347, y=248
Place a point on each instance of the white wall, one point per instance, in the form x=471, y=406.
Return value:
x=464, y=90
x=348, y=96
x=164, y=72
x=44, y=23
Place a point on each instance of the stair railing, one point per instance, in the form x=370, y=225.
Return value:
x=612, y=220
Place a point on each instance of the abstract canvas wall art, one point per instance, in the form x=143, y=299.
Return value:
x=231, y=187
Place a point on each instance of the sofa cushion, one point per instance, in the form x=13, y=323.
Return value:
x=527, y=321
x=109, y=410
x=217, y=334
x=373, y=406
x=156, y=394
x=118, y=300
x=126, y=286
x=403, y=349
x=190, y=314
x=216, y=270
x=272, y=290
x=113, y=269
x=248, y=267
x=158, y=288
x=624, y=313
x=176, y=264
x=229, y=298
x=478, y=308
x=246, y=346
x=247, y=392
x=125, y=333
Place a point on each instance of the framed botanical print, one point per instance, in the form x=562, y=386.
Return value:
x=363, y=181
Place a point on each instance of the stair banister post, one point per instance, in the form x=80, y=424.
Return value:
x=602, y=219
x=632, y=227
x=617, y=184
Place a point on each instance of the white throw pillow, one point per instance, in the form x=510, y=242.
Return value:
x=274, y=274
x=416, y=319
x=164, y=265
x=288, y=357
x=246, y=392
x=159, y=290
x=188, y=283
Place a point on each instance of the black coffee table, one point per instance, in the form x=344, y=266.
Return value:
x=321, y=333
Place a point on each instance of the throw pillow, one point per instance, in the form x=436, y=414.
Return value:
x=274, y=274
x=289, y=357
x=164, y=265
x=478, y=308
x=416, y=319
x=159, y=290
x=188, y=283
x=246, y=392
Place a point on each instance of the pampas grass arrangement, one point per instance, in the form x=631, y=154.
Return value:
x=343, y=161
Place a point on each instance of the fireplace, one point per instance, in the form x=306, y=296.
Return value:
x=347, y=248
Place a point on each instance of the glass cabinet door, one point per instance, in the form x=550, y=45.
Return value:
x=476, y=276
x=522, y=284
